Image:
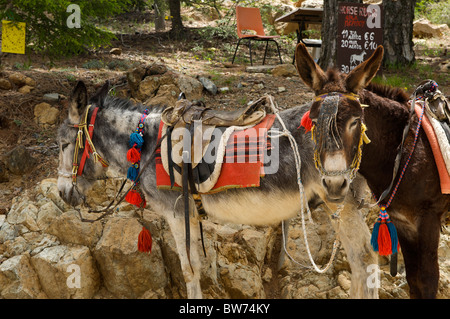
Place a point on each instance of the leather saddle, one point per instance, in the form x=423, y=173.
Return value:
x=185, y=112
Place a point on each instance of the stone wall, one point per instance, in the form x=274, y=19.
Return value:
x=46, y=251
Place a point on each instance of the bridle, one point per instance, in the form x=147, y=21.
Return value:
x=326, y=126
x=88, y=130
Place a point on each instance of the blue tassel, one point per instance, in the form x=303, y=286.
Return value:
x=136, y=138
x=394, y=237
x=374, y=238
x=132, y=173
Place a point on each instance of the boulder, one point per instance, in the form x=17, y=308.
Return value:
x=208, y=85
x=134, y=273
x=69, y=228
x=167, y=95
x=422, y=28
x=45, y=114
x=193, y=88
x=67, y=272
x=150, y=84
x=19, y=161
x=18, y=279
x=17, y=78
x=285, y=70
x=5, y=84
x=116, y=51
x=26, y=89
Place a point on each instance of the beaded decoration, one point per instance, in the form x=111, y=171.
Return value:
x=136, y=142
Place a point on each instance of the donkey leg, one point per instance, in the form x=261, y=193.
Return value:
x=419, y=241
x=354, y=236
x=191, y=275
x=429, y=232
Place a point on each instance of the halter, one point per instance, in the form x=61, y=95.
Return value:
x=327, y=118
x=88, y=130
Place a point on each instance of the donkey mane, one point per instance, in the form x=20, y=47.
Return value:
x=389, y=92
x=121, y=104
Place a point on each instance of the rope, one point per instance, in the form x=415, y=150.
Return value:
x=303, y=200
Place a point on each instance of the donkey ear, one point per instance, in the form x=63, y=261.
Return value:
x=100, y=95
x=309, y=71
x=78, y=101
x=361, y=76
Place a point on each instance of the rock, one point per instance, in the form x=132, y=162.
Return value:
x=134, y=78
x=167, y=95
x=116, y=51
x=26, y=89
x=30, y=82
x=422, y=28
x=24, y=213
x=49, y=189
x=191, y=87
x=259, y=68
x=5, y=84
x=281, y=89
x=224, y=89
x=45, y=114
x=17, y=78
x=70, y=229
x=67, y=272
x=285, y=70
x=47, y=214
x=156, y=69
x=150, y=84
x=18, y=279
x=19, y=161
x=134, y=272
x=259, y=86
x=51, y=97
x=208, y=85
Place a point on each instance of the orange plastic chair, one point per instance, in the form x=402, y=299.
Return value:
x=250, y=19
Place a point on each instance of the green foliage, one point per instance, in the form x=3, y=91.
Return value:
x=437, y=12
x=47, y=29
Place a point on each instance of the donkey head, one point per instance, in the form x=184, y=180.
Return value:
x=337, y=117
x=71, y=185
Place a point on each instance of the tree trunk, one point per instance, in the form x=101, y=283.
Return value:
x=160, y=24
x=175, y=12
x=329, y=33
x=398, y=30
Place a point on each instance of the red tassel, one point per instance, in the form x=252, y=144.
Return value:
x=306, y=122
x=134, y=198
x=145, y=241
x=133, y=155
x=384, y=240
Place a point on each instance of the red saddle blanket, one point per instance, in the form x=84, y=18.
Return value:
x=438, y=157
x=243, y=162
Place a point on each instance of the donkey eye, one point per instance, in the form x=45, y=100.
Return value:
x=64, y=145
x=354, y=123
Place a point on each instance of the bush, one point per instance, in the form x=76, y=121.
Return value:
x=47, y=29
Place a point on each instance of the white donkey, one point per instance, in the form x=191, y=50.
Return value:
x=277, y=199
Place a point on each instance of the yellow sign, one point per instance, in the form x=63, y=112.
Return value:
x=13, y=37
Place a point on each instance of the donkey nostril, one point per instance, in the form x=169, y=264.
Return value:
x=344, y=184
x=60, y=194
x=324, y=183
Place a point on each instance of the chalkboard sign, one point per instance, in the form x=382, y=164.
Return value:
x=359, y=33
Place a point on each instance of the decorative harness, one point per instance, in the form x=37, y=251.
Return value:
x=324, y=133
x=88, y=130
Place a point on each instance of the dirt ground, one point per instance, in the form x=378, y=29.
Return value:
x=17, y=126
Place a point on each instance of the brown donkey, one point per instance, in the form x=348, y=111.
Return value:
x=418, y=208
